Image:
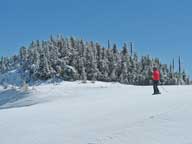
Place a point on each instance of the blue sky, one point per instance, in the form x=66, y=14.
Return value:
x=161, y=28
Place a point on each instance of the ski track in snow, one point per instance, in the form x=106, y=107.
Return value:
x=100, y=113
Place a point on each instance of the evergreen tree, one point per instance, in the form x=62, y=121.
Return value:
x=43, y=72
x=2, y=65
x=75, y=59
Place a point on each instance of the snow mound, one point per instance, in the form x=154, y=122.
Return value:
x=13, y=97
x=13, y=77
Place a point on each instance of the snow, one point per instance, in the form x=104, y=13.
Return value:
x=70, y=68
x=99, y=113
x=12, y=77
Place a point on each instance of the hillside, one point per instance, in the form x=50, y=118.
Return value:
x=100, y=113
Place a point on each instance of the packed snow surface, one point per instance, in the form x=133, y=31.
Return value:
x=100, y=113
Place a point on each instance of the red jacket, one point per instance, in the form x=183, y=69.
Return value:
x=156, y=75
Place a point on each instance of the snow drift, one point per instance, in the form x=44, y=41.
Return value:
x=13, y=77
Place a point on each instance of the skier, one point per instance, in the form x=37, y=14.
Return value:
x=156, y=78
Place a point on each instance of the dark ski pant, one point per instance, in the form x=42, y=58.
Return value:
x=155, y=87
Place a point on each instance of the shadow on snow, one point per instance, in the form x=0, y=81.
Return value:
x=12, y=98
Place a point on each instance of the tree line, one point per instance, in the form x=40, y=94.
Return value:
x=73, y=59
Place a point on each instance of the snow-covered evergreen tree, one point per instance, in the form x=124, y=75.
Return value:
x=76, y=59
x=2, y=65
x=84, y=75
x=43, y=71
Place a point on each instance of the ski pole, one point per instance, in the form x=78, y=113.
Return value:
x=164, y=89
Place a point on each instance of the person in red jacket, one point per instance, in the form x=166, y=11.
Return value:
x=156, y=78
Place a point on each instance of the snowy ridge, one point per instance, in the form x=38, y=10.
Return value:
x=100, y=113
x=16, y=97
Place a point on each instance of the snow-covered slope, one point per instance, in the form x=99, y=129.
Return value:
x=100, y=113
x=13, y=77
